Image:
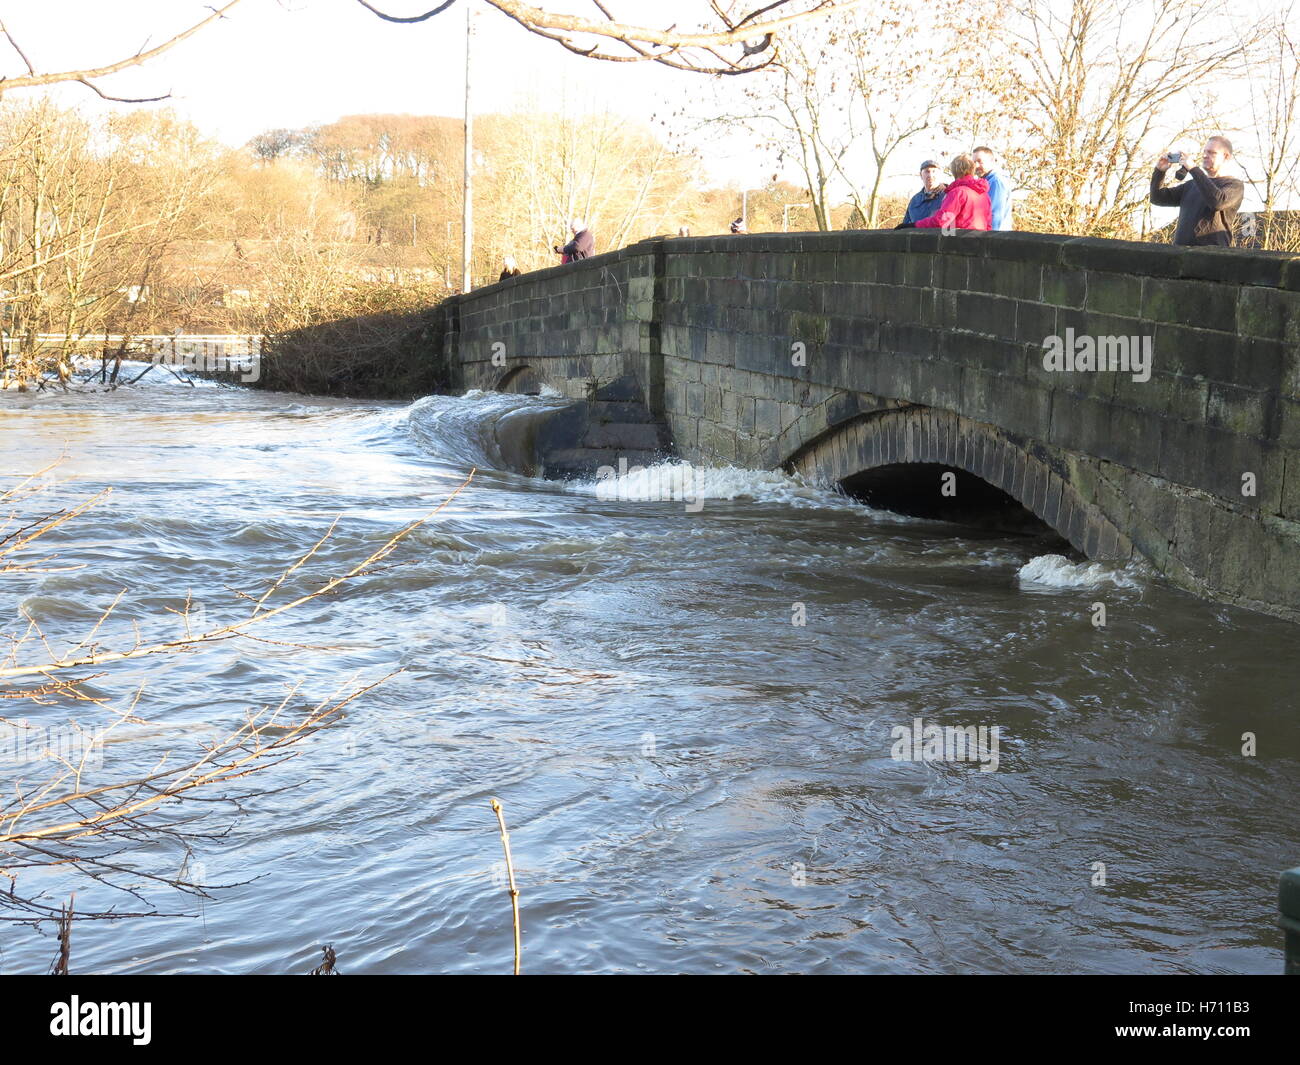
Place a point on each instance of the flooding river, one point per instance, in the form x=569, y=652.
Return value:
x=689, y=712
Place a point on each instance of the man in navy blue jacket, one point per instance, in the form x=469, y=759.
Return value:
x=927, y=201
x=999, y=188
x=1208, y=204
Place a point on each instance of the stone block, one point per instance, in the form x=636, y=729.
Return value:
x=1124, y=256
x=1019, y=246
x=1003, y=277
x=1115, y=294
x=1273, y=314
x=981, y=313
x=1064, y=286
x=1241, y=411
x=1236, y=266
x=1202, y=304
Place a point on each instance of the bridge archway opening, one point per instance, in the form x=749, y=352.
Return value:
x=521, y=381
x=946, y=493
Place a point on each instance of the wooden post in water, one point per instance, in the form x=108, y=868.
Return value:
x=1288, y=901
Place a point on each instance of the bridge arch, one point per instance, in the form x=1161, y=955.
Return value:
x=521, y=380
x=1029, y=473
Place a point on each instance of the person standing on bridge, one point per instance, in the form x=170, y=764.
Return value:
x=582, y=246
x=986, y=167
x=929, y=199
x=1208, y=204
x=965, y=204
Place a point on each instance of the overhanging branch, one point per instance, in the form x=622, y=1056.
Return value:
x=698, y=51
x=32, y=79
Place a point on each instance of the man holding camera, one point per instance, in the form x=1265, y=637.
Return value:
x=1208, y=204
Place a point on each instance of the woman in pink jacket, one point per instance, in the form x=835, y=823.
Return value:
x=966, y=204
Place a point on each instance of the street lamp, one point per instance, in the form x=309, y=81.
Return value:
x=744, y=201
x=467, y=217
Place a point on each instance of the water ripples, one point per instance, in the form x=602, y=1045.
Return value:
x=697, y=776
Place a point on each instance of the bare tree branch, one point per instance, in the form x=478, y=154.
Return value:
x=122, y=99
x=32, y=79
x=754, y=33
x=414, y=18
x=261, y=612
x=21, y=54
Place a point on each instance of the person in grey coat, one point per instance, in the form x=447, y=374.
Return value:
x=582, y=246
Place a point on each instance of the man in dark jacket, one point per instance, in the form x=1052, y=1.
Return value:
x=582, y=246
x=1207, y=205
x=927, y=201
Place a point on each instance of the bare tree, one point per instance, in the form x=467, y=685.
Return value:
x=803, y=98
x=905, y=62
x=842, y=96
x=542, y=169
x=88, y=213
x=1083, y=89
x=272, y=144
x=1273, y=84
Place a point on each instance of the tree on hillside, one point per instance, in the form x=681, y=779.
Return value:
x=274, y=143
x=381, y=147
x=535, y=171
x=405, y=171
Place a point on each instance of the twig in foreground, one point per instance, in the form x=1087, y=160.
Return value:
x=510, y=871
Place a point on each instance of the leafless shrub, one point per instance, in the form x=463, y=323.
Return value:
x=76, y=818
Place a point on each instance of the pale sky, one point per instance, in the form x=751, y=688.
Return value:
x=293, y=63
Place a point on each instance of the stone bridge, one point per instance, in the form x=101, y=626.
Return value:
x=884, y=359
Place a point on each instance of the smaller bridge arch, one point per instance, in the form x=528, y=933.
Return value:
x=521, y=380
x=917, y=435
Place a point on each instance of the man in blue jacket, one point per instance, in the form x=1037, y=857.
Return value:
x=928, y=200
x=999, y=187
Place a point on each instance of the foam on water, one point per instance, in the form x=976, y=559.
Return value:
x=484, y=428
x=478, y=428
x=132, y=375
x=1057, y=571
x=674, y=480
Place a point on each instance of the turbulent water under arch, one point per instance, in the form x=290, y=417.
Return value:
x=695, y=780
